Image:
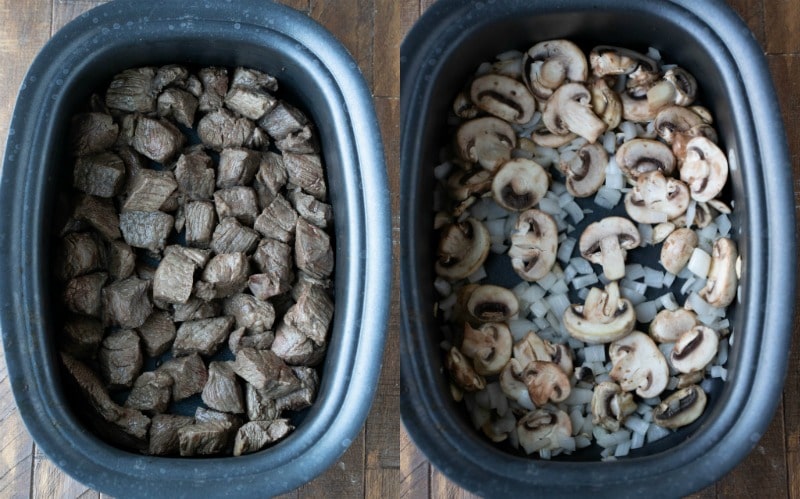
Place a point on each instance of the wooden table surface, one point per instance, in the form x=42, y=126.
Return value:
x=371, y=31
x=773, y=468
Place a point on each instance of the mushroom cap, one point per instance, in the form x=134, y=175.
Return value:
x=503, y=97
x=604, y=316
x=545, y=138
x=463, y=248
x=490, y=303
x=534, y=245
x=569, y=110
x=462, y=372
x=606, y=103
x=547, y=65
x=677, y=125
x=586, y=171
x=720, y=288
x=513, y=386
x=543, y=429
x=610, y=405
x=519, y=184
x=656, y=199
x=532, y=347
x=636, y=108
x=677, y=249
x=546, y=382
x=462, y=184
x=668, y=325
x=681, y=408
x=639, y=156
x=694, y=349
x=489, y=347
x=605, y=242
x=487, y=140
x=704, y=169
x=684, y=83
x=611, y=61
x=638, y=365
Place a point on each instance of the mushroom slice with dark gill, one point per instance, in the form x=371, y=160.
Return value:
x=605, y=316
x=681, y=408
x=490, y=303
x=549, y=64
x=606, y=60
x=487, y=141
x=605, y=242
x=462, y=372
x=694, y=349
x=639, y=156
x=503, y=97
x=704, y=169
x=611, y=405
x=546, y=382
x=606, y=103
x=519, y=184
x=463, y=247
x=677, y=86
x=656, y=198
x=489, y=346
x=534, y=245
x=677, y=125
x=543, y=429
x=569, y=110
x=586, y=170
x=532, y=347
x=639, y=365
x=720, y=288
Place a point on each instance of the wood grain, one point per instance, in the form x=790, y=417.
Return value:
x=782, y=26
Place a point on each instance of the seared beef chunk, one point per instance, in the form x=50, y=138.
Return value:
x=305, y=171
x=120, y=358
x=240, y=339
x=164, y=433
x=237, y=166
x=221, y=129
x=312, y=250
x=259, y=407
x=203, y=415
x=91, y=133
x=294, y=347
x=232, y=237
x=100, y=214
x=79, y=254
x=274, y=260
x=251, y=313
x=159, y=140
x=170, y=75
x=249, y=102
x=179, y=105
x=252, y=78
x=215, y=86
x=300, y=142
x=304, y=396
x=126, y=303
x=83, y=295
x=100, y=174
x=146, y=229
x=149, y=190
x=222, y=391
x=82, y=336
x=152, y=392
x=225, y=275
x=313, y=210
x=311, y=314
x=270, y=178
x=188, y=373
x=265, y=371
x=203, y=336
x=278, y=220
x=255, y=435
x=157, y=333
x=202, y=439
x=258, y=140
x=195, y=175
x=174, y=277
x=304, y=281
x=201, y=218
x=282, y=120
x=194, y=309
x=238, y=202
x=121, y=260
x=132, y=91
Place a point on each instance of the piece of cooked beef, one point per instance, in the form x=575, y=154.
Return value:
x=282, y=120
x=304, y=281
x=222, y=391
x=177, y=104
x=238, y=202
x=151, y=393
x=259, y=407
x=80, y=253
x=204, y=415
x=91, y=133
x=230, y=236
x=294, y=347
x=164, y=433
x=215, y=86
x=195, y=175
x=122, y=425
x=247, y=77
x=174, y=277
x=258, y=140
x=84, y=294
x=189, y=375
x=203, y=336
x=132, y=91
x=198, y=256
x=194, y=86
x=305, y=171
x=120, y=358
x=255, y=435
x=278, y=220
x=146, y=229
x=302, y=141
x=100, y=214
x=127, y=129
x=312, y=314
x=303, y=396
x=310, y=208
x=237, y=166
x=225, y=275
x=312, y=250
x=270, y=178
x=250, y=102
x=221, y=128
x=121, y=260
x=251, y=313
x=201, y=218
x=203, y=439
x=196, y=308
x=274, y=259
x=101, y=174
x=157, y=333
x=158, y=140
x=81, y=337
x=126, y=303
x=265, y=371
x=149, y=190
x=170, y=75
x=240, y=339
x=145, y=271
x=134, y=162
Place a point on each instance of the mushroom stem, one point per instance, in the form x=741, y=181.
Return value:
x=613, y=258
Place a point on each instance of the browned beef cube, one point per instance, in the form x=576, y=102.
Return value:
x=222, y=391
x=238, y=202
x=145, y=271
x=203, y=415
x=84, y=295
x=265, y=371
x=305, y=171
x=312, y=250
x=159, y=140
x=251, y=313
x=198, y=256
x=259, y=407
x=82, y=336
x=195, y=175
x=250, y=102
x=146, y=229
x=255, y=435
x=174, y=203
x=132, y=91
x=312, y=314
x=246, y=77
x=179, y=105
x=100, y=214
x=258, y=140
x=305, y=281
x=225, y=275
x=80, y=253
x=264, y=286
x=127, y=129
x=170, y=75
x=274, y=260
x=237, y=166
x=202, y=439
x=232, y=237
x=193, y=86
x=100, y=174
x=121, y=260
x=126, y=303
x=120, y=358
x=188, y=373
x=282, y=120
x=164, y=433
x=196, y=308
x=152, y=392
x=270, y=178
x=203, y=336
x=310, y=208
x=92, y=133
x=301, y=141
x=302, y=397
x=157, y=333
x=215, y=86
x=201, y=218
x=174, y=277
x=126, y=426
x=278, y=220
x=221, y=129
x=239, y=339
x=149, y=190
x=134, y=162
x=294, y=347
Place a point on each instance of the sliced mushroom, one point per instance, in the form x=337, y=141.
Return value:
x=677, y=125
x=503, y=97
x=638, y=365
x=689, y=379
x=513, y=385
x=461, y=184
x=613, y=61
x=694, y=349
x=463, y=248
x=534, y=244
x=462, y=372
x=463, y=107
x=662, y=231
x=569, y=110
x=636, y=108
x=681, y=408
x=519, y=184
x=605, y=243
x=487, y=141
x=489, y=347
x=604, y=316
x=543, y=429
x=677, y=249
x=546, y=382
x=490, y=303
x=705, y=169
x=656, y=199
x=586, y=171
x=606, y=103
x=720, y=288
x=668, y=325
x=548, y=65
x=677, y=87
x=545, y=138
x=639, y=156
x=532, y=347
x=611, y=405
